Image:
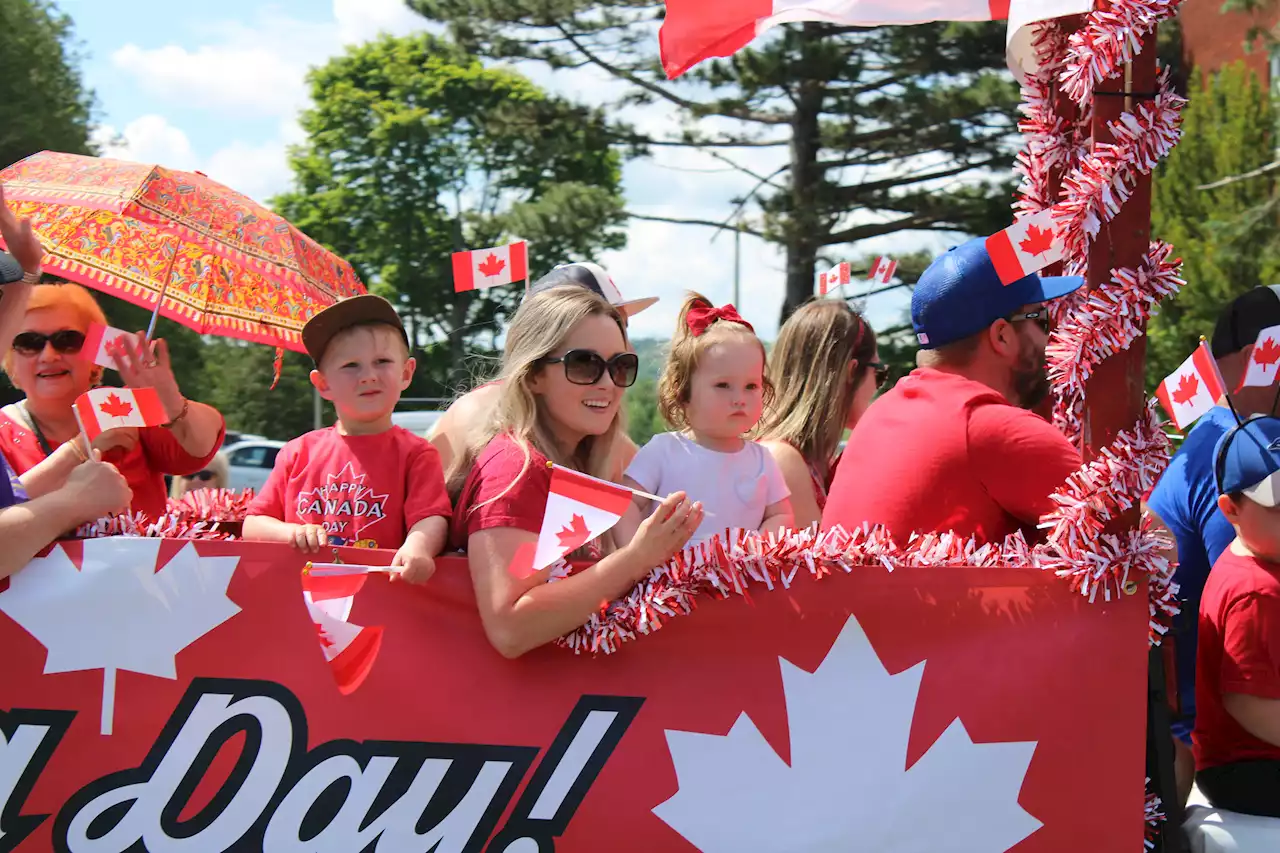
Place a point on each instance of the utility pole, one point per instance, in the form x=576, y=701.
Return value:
x=737, y=262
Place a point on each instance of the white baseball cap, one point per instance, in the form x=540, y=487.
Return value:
x=594, y=278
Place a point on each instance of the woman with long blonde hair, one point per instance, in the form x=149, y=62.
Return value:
x=825, y=374
x=564, y=369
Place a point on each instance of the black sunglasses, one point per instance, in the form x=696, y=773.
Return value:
x=202, y=476
x=64, y=341
x=585, y=367
x=882, y=372
x=1041, y=318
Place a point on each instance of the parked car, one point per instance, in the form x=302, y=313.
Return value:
x=419, y=422
x=232, y=438
x=250, y=462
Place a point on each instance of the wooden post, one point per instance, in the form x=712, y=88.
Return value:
x=1115, y=395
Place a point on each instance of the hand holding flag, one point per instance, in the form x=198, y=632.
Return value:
x=99, y=342
x=101, y=409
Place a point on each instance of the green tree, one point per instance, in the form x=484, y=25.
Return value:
x=46, y=104
x=1226, y=236
x=885, y=129
x=643, y=419
x=237, y=382
x=415, y=150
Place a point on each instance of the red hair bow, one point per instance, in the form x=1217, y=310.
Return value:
x=700, y=317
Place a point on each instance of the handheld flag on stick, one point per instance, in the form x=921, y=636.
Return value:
x=101, y=409
x=480, y=269
x=96, y=341
x=350, y=649
x=1028, y=245
x=836, y=276
x=1264, y=360
x=1193, y=389
x=579, y=508
x=883, y=269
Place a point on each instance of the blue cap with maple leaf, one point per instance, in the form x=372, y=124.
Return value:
x=960, y=294
x=1247, y=459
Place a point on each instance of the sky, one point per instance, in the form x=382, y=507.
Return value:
x=217, y=86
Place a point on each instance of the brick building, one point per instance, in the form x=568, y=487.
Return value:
x=1211, y=38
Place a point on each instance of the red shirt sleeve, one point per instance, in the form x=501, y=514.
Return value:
x=504, y=490
x=1251, y=647
x=271, y=500
x=165, y=455
x=1020, y=458
x=425, y=494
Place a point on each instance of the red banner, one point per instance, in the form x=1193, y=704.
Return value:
x=927, y=709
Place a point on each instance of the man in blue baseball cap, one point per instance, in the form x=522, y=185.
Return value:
x=953, y=446
x=1237, y=724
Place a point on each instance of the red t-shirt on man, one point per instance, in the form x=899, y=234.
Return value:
x=363, y=489
x=941, y=452
x=1238, y=652
x=157, y=453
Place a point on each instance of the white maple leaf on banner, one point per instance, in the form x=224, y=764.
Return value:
x=847, y=787
x=116, y=611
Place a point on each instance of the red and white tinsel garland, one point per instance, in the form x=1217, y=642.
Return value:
x=200, y=514
x=1110, y=38
x=1102, y=322
x=1153, y=815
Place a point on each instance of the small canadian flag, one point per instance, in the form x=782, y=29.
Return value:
x=883, y=269
x=479, y=269
x=1192, y=389
x=1264, y=359
x=1029, y=245
x=579, y=508
x=102, y=409
x=350, y=649
x=96, y=341
x=837, y=275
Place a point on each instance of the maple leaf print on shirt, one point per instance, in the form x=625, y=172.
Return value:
x=114, y=407
x=116, y=611
x=575, y=535
x=491, y=266
x=847, y=786
x=1267, y=353
x=1038, y=240
x=1186, y=390
x=344, y=505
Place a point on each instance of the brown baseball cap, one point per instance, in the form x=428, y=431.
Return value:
x=343, y=314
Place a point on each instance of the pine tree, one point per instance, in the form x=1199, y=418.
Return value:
x=1225, y=236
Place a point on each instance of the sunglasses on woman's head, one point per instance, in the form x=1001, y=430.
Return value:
x=585, y=367
x=202, y=476
x=65, y=341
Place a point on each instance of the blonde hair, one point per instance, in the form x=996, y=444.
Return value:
x=686, y=352
x=79, y=300
x=538, y=329
x=221, y=469
x=811, y=359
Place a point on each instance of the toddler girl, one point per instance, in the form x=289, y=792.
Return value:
x=712, y=392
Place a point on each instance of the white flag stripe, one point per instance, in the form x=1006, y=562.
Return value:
x=1264, y=359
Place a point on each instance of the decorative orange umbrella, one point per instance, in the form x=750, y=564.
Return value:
x=213, y=259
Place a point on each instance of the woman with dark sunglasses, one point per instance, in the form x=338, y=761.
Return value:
x=39, y=435
x=565, y=366
x=212, y=476
x=825, y=373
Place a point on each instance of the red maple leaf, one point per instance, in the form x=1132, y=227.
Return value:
x=1186, y=390
x=575, y=535
x=1038, y=241
x=325, y=642
x=1267, y=353
x=491, y=265
x=115, y=407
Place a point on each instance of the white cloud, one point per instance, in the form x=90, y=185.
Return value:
x=149, y=139
x=230, y=77
x=361, y=20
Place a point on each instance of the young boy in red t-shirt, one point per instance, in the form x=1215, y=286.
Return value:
x=1237, y=732
x=362, y=481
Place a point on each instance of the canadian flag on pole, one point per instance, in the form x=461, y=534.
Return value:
x=694, y=30
x=837, y=275
x=1028, y=245
x=350, y=649
x=1263, y=360
x=579, y=508
x=102, y=409
x=96, y=341
x=479, y=269
x=1192, y=389
x=883, y=269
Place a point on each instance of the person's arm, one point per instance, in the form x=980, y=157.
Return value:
x=93, y=490
x=51, y=474
x=1259, y=717
x=13, y=311
x=27, y=251
x=625, y=530
x=520, y=611
x=307, y=538
x=465, y=417
x=196, y=427
x=422, y=545
x=778, y=516
x=795, y=473
x=1020, y=458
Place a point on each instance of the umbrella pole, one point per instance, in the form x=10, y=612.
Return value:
x=155, y=315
